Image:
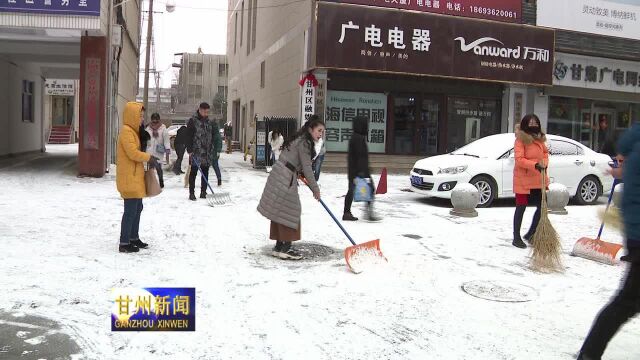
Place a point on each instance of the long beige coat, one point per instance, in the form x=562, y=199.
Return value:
x=280, y=201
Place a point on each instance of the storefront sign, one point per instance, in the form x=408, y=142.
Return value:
x=596, y=73
x=500, y=10
x=60, y=7
x=308, y=102
x=426, y=44
x=59, y=87
x=612, y=17
x=343, y=107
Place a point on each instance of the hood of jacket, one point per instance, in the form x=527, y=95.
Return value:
x=361, y=125
x=528, y=138
x=132, y=115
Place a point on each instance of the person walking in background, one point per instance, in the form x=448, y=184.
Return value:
x=531, y=157
x=626, y=302
x=200, y=146
x=358, y=166
x=280, y=201
x=159, y=144
x=605, y=141
x=130, y=176
x=180, y=143
x=275, y=141
x=217, y=148
x=228, y=131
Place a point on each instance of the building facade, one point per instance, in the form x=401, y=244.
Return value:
x=202, y=78
x=430, y=80
x=595, y=95
x=91, y=44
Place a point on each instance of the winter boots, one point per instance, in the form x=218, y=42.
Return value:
x=219, y=182
x=371, y=215
x=128, y=248
x=349, y=217
x=283, y=250
x=203, y=194
x=517, y=224
x=138, y=243
x=192, y=196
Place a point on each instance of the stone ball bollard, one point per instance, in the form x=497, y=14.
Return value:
x=617, y=195
x=465, y=198
x=557, y=198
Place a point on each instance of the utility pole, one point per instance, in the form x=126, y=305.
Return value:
x=146, y=61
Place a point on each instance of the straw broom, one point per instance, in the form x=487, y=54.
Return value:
x=546, y=244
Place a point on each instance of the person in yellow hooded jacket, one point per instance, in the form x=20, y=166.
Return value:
x=130, y=176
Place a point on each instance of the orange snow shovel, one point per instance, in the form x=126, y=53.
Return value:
x=596, y=249
x=359, y=256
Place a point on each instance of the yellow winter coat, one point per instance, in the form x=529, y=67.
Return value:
x=129, y=161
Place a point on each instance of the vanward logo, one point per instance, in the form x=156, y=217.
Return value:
x=487, y=50
x=488, y=46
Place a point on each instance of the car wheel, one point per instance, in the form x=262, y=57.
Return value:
x=589, y=191
x=486, y=187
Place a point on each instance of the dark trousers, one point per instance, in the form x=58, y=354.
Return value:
x=348, y=200
x=534, y=198
x=177, y=166
x=130, y=224
x=624, y=306
x=195, y=173
x=160, y=174
x=317, y=166
x=216, y=169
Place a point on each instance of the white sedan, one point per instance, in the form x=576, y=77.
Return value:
x=488, y=164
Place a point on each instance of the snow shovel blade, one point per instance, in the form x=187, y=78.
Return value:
x=361, y=256
x=219, y=199
x=597, y=250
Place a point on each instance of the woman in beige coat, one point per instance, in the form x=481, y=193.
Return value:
x=280, y=201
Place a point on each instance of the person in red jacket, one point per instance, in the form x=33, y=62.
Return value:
x=532, y=156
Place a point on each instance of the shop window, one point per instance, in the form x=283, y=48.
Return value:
x=471, y=119
x=27, y=101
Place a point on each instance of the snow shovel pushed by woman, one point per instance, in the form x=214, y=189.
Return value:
x=596, y=249
x=216, y=199
x=359, y=257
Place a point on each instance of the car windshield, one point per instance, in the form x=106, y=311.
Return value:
x=488, y=147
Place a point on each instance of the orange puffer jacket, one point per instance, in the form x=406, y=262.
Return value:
x=528, y=152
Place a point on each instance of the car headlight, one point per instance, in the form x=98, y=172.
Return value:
x=453, y=170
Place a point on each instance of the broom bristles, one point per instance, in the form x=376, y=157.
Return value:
x=612, y=218
x=546, y=243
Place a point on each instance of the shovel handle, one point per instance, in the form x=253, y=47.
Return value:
x=304, y=180
x=195, y=161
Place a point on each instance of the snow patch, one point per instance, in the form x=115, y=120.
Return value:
x=36, y=340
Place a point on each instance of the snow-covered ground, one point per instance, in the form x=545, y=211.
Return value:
x=59, y=236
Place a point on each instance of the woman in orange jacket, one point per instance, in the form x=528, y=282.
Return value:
x=532, y=156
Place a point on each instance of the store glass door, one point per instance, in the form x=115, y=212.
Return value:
x=427, y=127
x=404, y=127
x=602, y=127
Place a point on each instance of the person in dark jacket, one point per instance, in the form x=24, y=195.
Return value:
x=626, y=303
x=200, y=146
x=358, y=166
x=180, y=143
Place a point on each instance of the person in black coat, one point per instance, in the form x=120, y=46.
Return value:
x=180, y=143
x=358, y=166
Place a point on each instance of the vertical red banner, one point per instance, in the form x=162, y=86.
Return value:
x=93, y=79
